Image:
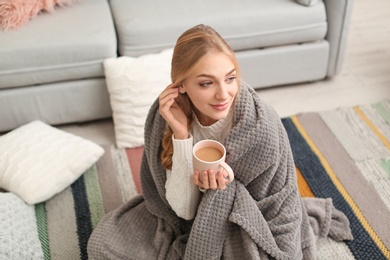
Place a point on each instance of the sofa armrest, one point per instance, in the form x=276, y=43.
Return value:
x=338, y=13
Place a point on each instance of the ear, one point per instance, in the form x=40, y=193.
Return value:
x=182, y=89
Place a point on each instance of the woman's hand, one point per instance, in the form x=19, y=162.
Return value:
x=172, y=113
x=211, y=180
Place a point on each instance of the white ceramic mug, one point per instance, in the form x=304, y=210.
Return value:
x=211, y=161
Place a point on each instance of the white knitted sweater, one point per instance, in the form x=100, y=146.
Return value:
x=181, y=193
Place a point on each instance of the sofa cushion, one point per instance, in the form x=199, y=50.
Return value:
x=70, y=43
x=55, y=103
x=246, y=24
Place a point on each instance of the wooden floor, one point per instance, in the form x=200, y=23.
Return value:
x=364, y=79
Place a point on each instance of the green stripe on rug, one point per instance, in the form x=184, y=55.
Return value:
x=95, y=198
x=40, y=214
x=386, y=166
x=383, y=109
x=377, y=176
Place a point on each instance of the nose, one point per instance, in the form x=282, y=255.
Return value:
x=222, y=92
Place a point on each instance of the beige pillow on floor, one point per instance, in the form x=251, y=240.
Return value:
x=38, y=161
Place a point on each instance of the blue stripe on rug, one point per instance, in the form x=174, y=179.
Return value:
x=362, y=247
x=83, y=219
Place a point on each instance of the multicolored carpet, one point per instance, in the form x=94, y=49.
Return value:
x=343, y=154
x=66, y=221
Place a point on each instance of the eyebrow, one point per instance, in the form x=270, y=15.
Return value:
x=213, y=77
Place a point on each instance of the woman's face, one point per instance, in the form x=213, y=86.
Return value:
x=212, y=87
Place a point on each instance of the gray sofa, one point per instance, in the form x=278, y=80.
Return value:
x=52, y=68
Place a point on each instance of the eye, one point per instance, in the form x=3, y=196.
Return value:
x=205, y=84
x=231, y=79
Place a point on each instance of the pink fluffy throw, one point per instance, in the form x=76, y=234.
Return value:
x=15, y=13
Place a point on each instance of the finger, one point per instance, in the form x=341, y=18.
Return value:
x=171, y=87
x=225, y=174
x=169, y=90
x=212, y=180
x=205, y=180
x=221, y=181
x=167, y=95
x=166, y=104
x=196, y=179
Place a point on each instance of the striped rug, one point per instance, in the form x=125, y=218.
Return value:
x=66, y=221
x=343, y=154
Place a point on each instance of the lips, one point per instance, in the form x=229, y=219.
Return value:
x=221, y=107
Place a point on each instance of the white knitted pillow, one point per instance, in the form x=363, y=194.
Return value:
x=133, y=85
x=38, y=161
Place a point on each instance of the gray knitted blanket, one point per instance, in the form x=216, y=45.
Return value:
x=259, y=216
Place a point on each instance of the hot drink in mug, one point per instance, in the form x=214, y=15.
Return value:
x=210, y=155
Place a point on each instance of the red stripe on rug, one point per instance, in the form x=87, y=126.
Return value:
x=134, y=156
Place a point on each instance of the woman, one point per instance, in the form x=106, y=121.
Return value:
x=198, y=103
x=189, y=215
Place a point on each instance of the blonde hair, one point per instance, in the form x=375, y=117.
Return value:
x=190, y=47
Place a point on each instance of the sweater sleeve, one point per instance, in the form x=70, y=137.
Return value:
x=182, y=194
